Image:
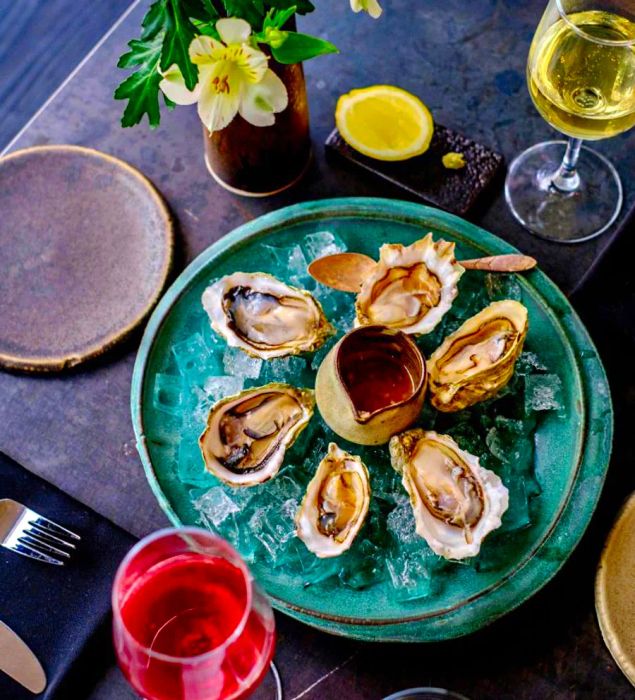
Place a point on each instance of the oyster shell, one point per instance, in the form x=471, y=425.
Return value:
x=264, y=316
x=335, y=504
x=247, y=435
x=411, y=288
x=477, y=360
x=455, y=501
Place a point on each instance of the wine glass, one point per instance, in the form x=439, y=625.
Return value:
x=188, y=621
x=581, y=77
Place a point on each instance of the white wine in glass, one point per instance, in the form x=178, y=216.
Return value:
x=581, y=77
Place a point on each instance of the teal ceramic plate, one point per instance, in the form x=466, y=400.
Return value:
x=571, y=446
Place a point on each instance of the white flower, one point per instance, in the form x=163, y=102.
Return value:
x=234, y=77
x=371, y=6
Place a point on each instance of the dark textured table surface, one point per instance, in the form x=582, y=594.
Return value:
x=466, y=60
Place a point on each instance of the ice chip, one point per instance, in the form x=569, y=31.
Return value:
x=168, y=394
x=327, y=298
x=237, y=363
x=411, y=574
x=529, y=363
x=283, y=369
x=290, y=265
x=401, y=523
x=364, y=566
x=321, y=243
x=298, y=269
x=190, y=467
x=285, y=488
x=346, y=320
x=290, y=508
x=543, y=392
x=217, y=388
x=191, y=355
x=216, y=506
x=270, y=526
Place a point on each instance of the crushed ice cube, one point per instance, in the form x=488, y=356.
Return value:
x=528, y=363
x=410, y=574
x=273, y=529
x=290, y=265
x=168, y=394
x=298, y=269
x=217, y=388
x=189, y=464
x=216, y=506
x=191, y=355
x=319, y=356
x=346, y=320
x=401, y=523
x=214, y=389
x=321, y=243
x=239, y=364
x=290, y=508
x=283, y=369
x=327, y=298
x=364, y=566
x=543, y=392
x=285, y=488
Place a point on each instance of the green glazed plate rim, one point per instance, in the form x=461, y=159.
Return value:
x=576, y=508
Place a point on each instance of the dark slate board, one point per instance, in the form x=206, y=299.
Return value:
x=425, y=177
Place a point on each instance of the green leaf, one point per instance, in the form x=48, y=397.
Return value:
x=179, y=33
x=207, y=28
x=301, y=47
x=276, y=19
x=303, y=6
x=154, y=21
x=203, y=10
x=249, y=10
x=141, y=89
x=141, y=52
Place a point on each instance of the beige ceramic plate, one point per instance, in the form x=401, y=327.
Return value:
x=615, y=590
x=85, y=249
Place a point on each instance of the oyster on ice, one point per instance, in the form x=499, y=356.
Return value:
x=264, y=316
x=335, y=504
x=477, y=360
x=411, y=287
x=247, y=435
x=455, y=501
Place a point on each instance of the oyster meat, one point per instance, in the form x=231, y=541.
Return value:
x=477, y=360
x=411, y=287
x=264, y=316
x=335, y=504
x=455, y=501
x=247, y=435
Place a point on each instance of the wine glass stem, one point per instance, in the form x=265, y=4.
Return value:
x=566, y=178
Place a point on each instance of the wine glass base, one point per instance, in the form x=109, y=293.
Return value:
x=271, y=686
x=566, y=217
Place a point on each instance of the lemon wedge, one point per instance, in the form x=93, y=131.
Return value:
x=384, y=122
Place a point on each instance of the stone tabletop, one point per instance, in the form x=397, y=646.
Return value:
x=466, y=60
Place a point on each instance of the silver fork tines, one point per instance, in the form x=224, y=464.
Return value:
x=25, y=532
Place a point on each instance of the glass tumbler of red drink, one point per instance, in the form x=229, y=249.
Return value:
x=188, y=621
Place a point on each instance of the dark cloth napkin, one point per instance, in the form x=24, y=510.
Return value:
x=61, y=612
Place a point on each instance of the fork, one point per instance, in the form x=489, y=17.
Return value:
x=26, y=532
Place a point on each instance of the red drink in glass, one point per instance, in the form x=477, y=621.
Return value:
x=188, y=622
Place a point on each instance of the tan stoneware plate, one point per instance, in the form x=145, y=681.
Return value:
x=615, y=590
x=86, y=245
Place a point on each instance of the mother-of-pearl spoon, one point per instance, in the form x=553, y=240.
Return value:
x=347, y=271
